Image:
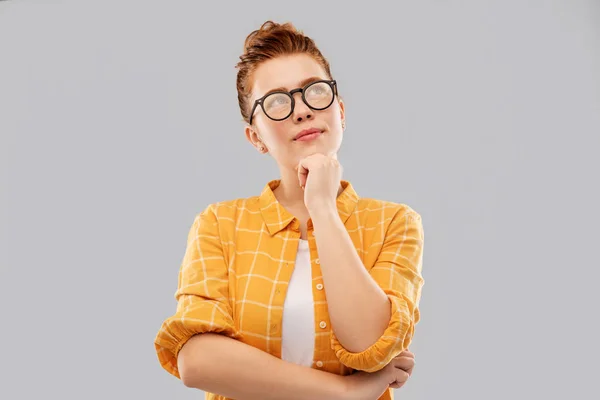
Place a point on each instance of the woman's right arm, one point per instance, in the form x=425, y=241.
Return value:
x=226, y=366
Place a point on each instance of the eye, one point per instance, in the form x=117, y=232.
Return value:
x=318, y=90
x=277, y=100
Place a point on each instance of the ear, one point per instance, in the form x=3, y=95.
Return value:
x=253, y=137
x=342, y=110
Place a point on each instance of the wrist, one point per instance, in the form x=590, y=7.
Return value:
x=323, y=213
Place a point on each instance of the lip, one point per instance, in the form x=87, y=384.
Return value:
x=308, y=134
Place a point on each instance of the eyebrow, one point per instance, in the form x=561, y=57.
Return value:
x=301, y=84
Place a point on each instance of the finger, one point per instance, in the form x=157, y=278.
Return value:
x=401, y=376
x=404, y=363
x=302, y=175
x=406, y=353
x=402, y=357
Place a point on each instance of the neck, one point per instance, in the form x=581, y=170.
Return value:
x=289, y=193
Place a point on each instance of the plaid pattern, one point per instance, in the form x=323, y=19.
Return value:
x=239, y=259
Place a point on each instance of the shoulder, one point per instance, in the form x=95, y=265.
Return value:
x=380, y=209
x=230, y=208
x=389, y=220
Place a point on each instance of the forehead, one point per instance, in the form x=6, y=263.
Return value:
x=286, y=72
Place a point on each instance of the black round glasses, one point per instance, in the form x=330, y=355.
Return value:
x=279, y=105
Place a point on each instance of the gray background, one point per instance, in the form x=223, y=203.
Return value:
x=116, y=118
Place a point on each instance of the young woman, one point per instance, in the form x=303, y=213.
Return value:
x=306, y=290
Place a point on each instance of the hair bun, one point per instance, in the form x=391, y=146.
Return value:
x=266, y=29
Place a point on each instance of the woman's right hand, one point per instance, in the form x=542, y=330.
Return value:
x=370, y=386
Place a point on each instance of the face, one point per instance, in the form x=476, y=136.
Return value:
x=279, y=137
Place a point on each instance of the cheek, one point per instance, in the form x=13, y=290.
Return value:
x=333, y=114
x=275, y=136
x=334, y=121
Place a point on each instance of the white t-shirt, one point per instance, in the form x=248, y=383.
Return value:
x=298, y=325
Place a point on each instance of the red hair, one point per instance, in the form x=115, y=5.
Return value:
x=268, y=42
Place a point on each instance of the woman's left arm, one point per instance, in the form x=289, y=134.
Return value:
x=372, y=312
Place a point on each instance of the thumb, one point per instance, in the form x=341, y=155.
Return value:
x=302, y=174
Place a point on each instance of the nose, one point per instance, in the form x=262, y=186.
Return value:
x=301, y=110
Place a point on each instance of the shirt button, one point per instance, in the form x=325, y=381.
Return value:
x=323, y=324
x=317, y=261
x=319, y=364
x=319, y=286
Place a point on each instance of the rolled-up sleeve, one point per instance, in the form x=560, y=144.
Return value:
x=398, y=271
x=202, y=293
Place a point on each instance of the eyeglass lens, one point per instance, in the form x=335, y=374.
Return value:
x=279, y=105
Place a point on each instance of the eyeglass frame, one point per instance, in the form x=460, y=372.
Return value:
x=331, y=82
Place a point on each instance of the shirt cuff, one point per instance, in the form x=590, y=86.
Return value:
x=395, y=339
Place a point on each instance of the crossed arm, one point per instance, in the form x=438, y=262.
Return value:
x=216, y=362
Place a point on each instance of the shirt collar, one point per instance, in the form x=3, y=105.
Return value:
x=276, y=217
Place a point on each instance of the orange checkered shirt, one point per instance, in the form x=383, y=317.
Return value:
x=239, y=260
